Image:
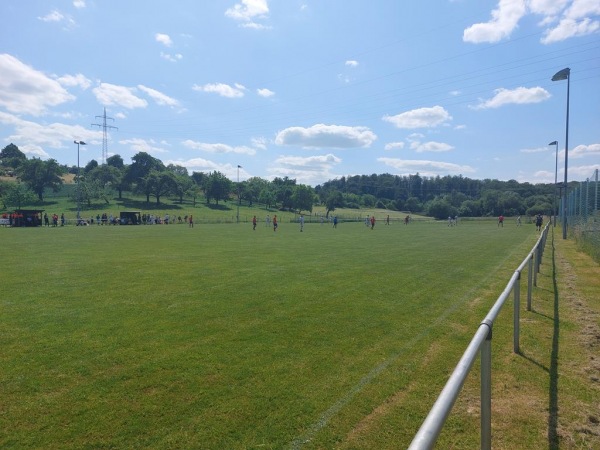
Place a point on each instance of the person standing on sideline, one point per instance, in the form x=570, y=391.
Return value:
x=334, y=221
x=518, y=221
x=387, y=220
x=46, y=221
x=539, y=221
x=301, y=222
x=501, y=221
x=372, y=222
x=191, y=221
x=275, y=222
x=267, y=221
x=254, y=223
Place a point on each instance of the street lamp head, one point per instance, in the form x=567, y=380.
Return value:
x=553, y=143
x=79, y=143
x=561, y=75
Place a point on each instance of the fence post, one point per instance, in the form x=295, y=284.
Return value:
x=486, y=390
x=529, y=282
x=535, y=265
x=516, y=315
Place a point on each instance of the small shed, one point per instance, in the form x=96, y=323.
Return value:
x=130, y=217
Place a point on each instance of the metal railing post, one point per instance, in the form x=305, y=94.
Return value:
x=535, y=265
x=486, y=391
x=517, y=313
x=529, y=282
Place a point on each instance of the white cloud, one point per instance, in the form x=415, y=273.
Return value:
x=218, y=148
x=79, y=4
x=26, y=90
x=111, y=94
x=326, y=136
x=430, y=146
x=35, y=137
x=173, y=58
x=53, y=16
x=352, y=63
x=310, y=170
x=394, y=145
x=562, y=19
x=260, y=143
x=222, y=89
x=504, y=20
x=164, y=39
x=75, y=80
x=534, y=150
x=420, y=118
x=248, y=10
x=425, y=167
x=158, y=97
x=142, y=145
x=265, y=92
x=520, y=96
x=582, y=151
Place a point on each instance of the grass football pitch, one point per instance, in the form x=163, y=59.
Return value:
x=219, y=336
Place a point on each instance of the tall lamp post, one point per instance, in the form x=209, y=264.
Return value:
x=565, y=74
x=555, y=182
x=238, y=186
x=78, y=196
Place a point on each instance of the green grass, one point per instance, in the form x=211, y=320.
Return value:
x=221, y=337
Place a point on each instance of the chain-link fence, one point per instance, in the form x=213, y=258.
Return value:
x=583, y=215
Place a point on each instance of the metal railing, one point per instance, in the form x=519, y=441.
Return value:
x=482, y=342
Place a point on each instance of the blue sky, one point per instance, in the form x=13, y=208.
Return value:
x=309, y=89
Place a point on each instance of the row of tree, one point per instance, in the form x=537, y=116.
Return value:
x=435, y=196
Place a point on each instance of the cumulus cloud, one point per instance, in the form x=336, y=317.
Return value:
x=35, y=137
x=218, y=147
x=111, y=94
x=519, y=96
x=352, y=63
x=52, y=16
x=149, y=146
x=394, y=145
x=26, y=90
x=222, y=89
x=430, y=146
x=582, y=151
x=265, y=92
x=420, y=118
x=158, y=97
x=424, y=167
x=79, y=4
x=310, y=170
x=248, y=12
x=164, y=39
x=561, y=19
x=326, y=136
x=75, y=80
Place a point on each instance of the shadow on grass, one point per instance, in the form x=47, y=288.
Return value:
x=218, y=207
x=141, y=205
x=553, y=442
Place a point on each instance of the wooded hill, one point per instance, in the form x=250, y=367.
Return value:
x=438, y=197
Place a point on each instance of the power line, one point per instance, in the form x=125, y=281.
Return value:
x=105, y=129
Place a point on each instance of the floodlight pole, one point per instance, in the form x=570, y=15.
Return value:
x=555, y=182
x=78, y=175
x=565, y=74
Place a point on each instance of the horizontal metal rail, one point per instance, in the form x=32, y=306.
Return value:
x=481, y=342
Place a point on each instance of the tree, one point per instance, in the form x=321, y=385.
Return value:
x=39, y=175
x=267, y=197
x=217, y=187
x=440, y=208
x=15, y=194
x=183, y=186
x=11, y=156
x=141, y=166
x=106, y=175
x=156, y=184
x=303, y=198
x=334, y=199
x=115, y=161
x=90, y=166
